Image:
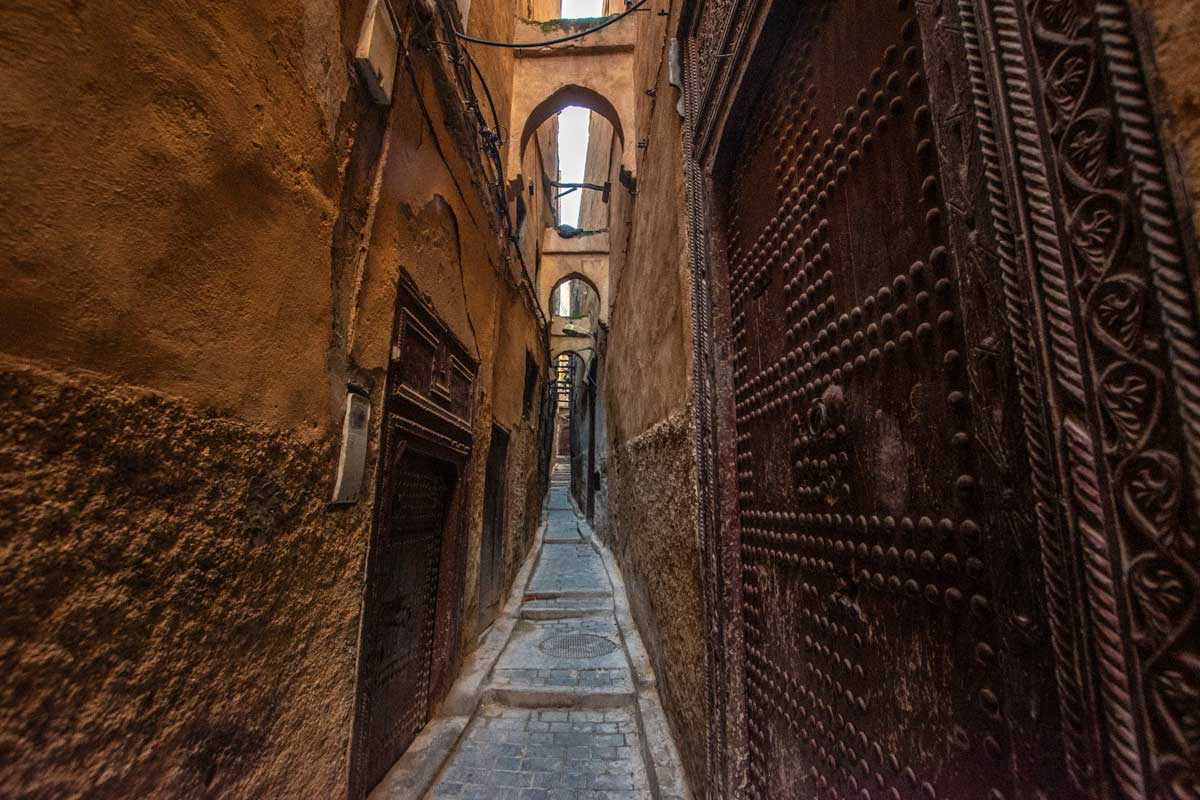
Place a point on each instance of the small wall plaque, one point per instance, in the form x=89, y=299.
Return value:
x=378, y=50
x=353, y=460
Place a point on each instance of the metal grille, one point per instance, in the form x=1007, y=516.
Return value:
x=577, y=645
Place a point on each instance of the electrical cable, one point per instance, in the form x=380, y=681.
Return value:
x=548, y=42
x=491, y=143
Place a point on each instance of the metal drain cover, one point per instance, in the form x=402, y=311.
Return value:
x=576, y=645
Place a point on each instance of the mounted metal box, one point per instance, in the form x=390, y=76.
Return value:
x=378, y=50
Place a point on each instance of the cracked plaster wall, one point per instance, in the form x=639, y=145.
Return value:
x=196, y=265
x=651, y=480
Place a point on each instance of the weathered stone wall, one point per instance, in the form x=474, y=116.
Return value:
x=652, y=524
x=201, y=224
x=650, y=464
x=180, y=607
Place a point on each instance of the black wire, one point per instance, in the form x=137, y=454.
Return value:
x=559, y=40
x=486, y=91
x=492, y=144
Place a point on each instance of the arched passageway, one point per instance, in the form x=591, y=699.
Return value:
x=565, y=97
x=593, y=73
x=584, y=258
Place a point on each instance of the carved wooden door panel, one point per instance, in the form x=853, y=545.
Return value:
x=948, y=526
x=414, y=574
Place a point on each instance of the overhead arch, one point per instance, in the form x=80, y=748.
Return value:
x=571, y=95
x=592, y=268
x=584, y=354
x=570, y=276
x=599, y=80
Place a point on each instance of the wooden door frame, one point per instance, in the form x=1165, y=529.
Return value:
x=1117, y=746
x=413, y=422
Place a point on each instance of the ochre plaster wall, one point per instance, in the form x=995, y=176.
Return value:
x=200, y=250
x=598, y=63
x=541, y=159
x=650, y=463
x=593, y=210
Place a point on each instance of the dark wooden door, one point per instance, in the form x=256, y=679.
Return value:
x=414, y=581
x=933, y=376
x=399, y=609
x=491, y=545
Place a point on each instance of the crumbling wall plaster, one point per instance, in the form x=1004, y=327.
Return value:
x=180, y=606
x=651, y=494
x=651, y=498
x=201, y=250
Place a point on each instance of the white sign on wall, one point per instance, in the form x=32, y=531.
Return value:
x=353, y=460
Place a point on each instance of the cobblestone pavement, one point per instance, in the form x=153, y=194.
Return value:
x=570, y=570
x=546, y=754
x=566, y=650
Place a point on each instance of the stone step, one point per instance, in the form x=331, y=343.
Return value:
x=559, y=697
x=567, y=608
x=562, y=595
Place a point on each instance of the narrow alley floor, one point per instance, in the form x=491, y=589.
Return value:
x=569, y=710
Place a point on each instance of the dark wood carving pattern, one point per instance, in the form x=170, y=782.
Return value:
x=1118, y=312
x=1062, y=597
x=413, y=579
x=712, y=33
x=1054, y=311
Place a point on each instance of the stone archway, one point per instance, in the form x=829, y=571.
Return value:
x=566, y=278
x=583, y=257
x=592, y=72
x=571, y=95
x=584, y=354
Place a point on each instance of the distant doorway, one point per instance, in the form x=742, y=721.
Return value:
x=491, y=545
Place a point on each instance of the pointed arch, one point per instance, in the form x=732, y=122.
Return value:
x=571, y=95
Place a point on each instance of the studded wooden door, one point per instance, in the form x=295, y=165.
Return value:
x=929, y=378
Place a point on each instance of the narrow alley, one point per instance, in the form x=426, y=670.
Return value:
x=597, y=399
x=569, y=710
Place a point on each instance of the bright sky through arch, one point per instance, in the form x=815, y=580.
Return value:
x=573, y=122
x=573, y=128
x=573, y=9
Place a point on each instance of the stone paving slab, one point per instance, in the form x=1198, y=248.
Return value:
x=569, y=569
x=562, y=526
x=525, y=664
x=562, y=607
x=562, y=517
x=560, y=499
x=546, y=754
